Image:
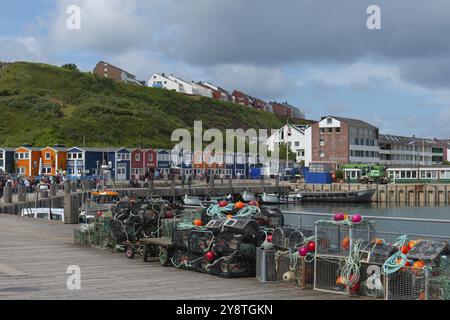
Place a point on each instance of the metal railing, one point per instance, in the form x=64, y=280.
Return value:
x=392, y=234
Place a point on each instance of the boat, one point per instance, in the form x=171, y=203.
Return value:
x=248, y=196
x=270, y=198
x=100, y=201
x=358, y=196
x=197, y=202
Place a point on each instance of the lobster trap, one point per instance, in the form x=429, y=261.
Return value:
x=337, y=238
x=327, y=275
x=408, y=283
x=439, y=288
x=200, y=241
x=266, y=265
x=371, y=280
x=294, y=270
x=180, y=237
x=290, y=238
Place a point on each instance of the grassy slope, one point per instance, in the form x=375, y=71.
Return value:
x=44, y=105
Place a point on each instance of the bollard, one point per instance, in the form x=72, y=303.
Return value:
x=172, y=188
x=73, y=186
x=71, y=209
x=66, y=187
x=7, y=194
x=43, y=194
x=53, y=189
x=22, y=193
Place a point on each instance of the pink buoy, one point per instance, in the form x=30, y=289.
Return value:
x=357, y=218
x=303, y=251
x=223, y=203
x=338, y=217
x=210, y=256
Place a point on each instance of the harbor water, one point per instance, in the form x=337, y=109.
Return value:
x=390, y=220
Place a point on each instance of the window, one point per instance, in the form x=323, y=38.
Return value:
x=322, y=130
x=322, y=155
x=1, y=155
x=297, y=143
x=80, y=156
x=47, y=156
x=46, y=170
x=330, y=130
x=137, y=157
x=150, y=157
x=22, y=170
x=322, y=142
x=338, y=130
x=329, y=121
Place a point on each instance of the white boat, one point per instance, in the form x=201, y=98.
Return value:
x=248, y=196
x=270, y=198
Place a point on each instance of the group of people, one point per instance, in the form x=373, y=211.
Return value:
x=30, y=184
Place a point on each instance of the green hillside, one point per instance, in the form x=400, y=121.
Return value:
x=44, y=105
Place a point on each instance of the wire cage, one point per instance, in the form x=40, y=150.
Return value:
x=200, y=241
x=371, y=281
x=335, y=238
x=290, y=238
x=294, y=270
x=439, y=288
x=327, y=274
x=266, y=265
x=180, y=237
x=408, y=283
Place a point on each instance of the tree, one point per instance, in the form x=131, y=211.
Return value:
x=70, y=66
x=282, y=153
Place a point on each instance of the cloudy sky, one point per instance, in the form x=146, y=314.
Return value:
x=315, y=54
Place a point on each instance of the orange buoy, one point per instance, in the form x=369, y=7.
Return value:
x=411, y=244
x=230, y=216
x=198, y=222
x=346, y=243
x=404, y=249
x=419, y=264
x=239, y=205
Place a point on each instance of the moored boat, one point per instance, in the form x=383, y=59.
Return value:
x=338, y=196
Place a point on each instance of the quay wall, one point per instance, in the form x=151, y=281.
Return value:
x=407, y=194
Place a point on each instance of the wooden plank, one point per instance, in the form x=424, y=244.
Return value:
x=44, y=249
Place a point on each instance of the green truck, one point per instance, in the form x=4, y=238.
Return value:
x=365, y=173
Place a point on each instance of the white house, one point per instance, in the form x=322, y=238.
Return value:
x=298, y=139
x=170, y=82
x=164, y=82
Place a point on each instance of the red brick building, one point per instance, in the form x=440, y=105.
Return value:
x=241, y=98
x=104, y=69
x=337, y=141
x=281, y=110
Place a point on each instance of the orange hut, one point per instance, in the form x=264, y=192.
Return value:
x=54, y=160
x=27, y=161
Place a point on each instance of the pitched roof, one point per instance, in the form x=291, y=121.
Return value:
x=389, y=138
x=444, y=142
x=353, y=122
x=7, y=149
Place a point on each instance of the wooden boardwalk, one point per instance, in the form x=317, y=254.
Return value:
x=34, y=256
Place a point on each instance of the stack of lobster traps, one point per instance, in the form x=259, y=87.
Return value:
x=225, y=246
x=339, y=246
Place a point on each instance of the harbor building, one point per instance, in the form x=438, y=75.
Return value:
x=53, y=161
x=122, y=164
x=337, y=141
x=143, y=161
x=89, y=161
x=27, y=161
x=6, y=160
x=410, y=151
